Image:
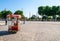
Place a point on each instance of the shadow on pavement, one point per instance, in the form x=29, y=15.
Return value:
x=3, y=33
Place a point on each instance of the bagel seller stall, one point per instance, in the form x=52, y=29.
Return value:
x=14, y=27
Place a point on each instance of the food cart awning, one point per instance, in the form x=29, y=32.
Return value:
x=13, y=15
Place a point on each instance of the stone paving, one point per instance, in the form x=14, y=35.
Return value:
x=32, y=31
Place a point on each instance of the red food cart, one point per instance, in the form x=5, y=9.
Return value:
x=14, y=27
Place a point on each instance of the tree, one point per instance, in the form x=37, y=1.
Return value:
x=41, y=10
x=19, y=12
x=4, y=13
x=54, y=12
x=0, y=14
x=58, y=18
x=9, y=12
x=33, y=17
x=49, y=11
x=58, y=11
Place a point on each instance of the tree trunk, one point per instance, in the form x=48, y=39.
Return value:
x=54, y=18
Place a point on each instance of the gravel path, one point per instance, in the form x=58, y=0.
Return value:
x=33, y=31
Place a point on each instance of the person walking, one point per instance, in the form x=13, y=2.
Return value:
x=5, y=21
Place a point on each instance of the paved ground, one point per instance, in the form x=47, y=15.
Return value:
x=33, y=31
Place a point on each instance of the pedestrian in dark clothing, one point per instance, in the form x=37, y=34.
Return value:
x=5, y=21
x=24, y=21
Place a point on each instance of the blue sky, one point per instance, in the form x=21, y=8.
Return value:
x=29, y=7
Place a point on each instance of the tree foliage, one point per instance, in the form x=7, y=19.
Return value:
x=41, y=10
x=19, y=12
x=4, y=13
x=49, y=11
